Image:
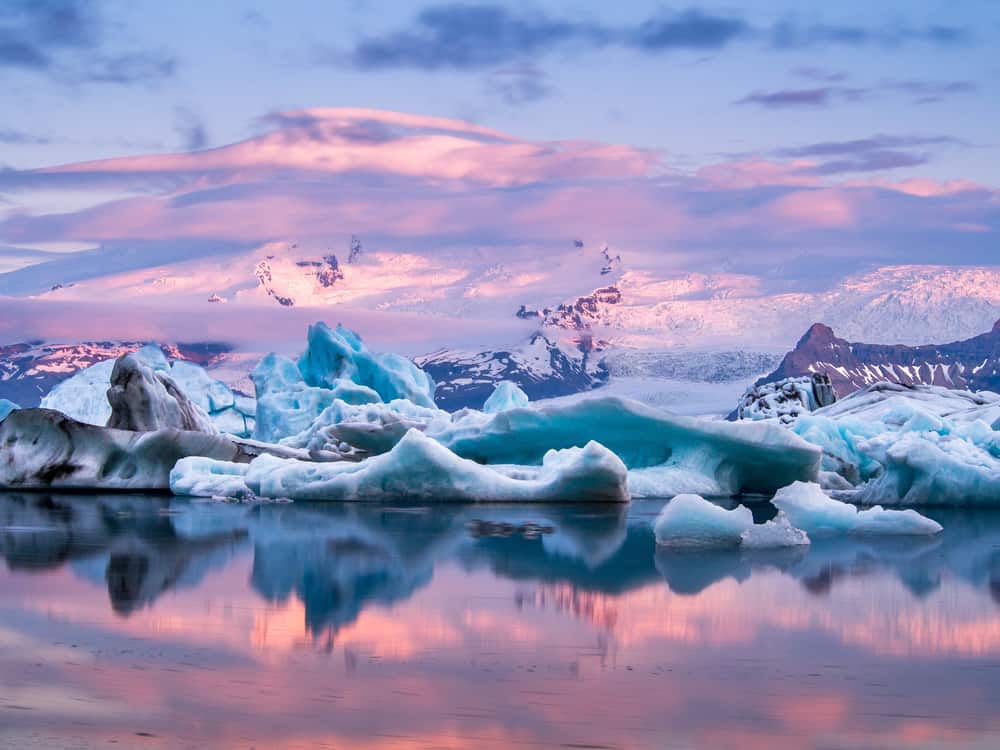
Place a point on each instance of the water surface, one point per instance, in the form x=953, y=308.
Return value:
x=156, y=622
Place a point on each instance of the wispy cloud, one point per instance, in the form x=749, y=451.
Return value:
x=876, y=153
x=815, y=98
x=467, y=36
x=918, y=91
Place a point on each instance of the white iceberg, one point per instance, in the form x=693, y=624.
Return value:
x=418, y=467
x=909, y=445
x=809, y=508
x=506, y=395
x=776, y=533
x=690, y=520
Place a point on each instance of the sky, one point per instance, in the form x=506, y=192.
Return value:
x=793, y=140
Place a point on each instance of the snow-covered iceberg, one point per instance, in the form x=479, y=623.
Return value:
x=84, y=396
x=910, y=445
x=787, y=399
x=417, y=467
x=809, y=508
x=6, y=407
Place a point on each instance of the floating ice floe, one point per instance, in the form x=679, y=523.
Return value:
x=83, y=396
x=417, y=467
x=809, y=508
x=6, y=407
x=911, y=445
x=692, y=521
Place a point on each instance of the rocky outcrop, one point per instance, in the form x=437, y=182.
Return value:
x=971, y=364
x=144, y=400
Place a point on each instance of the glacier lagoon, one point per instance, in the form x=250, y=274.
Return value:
x=152, y=621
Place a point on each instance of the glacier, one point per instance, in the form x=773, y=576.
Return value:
x=84, y=396
x=909, y=445
x=809, y=508
x=416, y=467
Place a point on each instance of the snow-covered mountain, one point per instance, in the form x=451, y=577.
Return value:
x=971, y=364
x=543, y=367
x=30, y=370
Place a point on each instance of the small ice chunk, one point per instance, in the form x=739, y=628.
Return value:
x=809, y=508
x=506, y=395
x=778, y=532
x=691, y=520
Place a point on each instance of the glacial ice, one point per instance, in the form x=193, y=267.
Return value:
x=6, y=407
x=690, y=520
x=197, y=476
x=674, y=454
x=44, y=449
x=144, y=400
x=776, y=533
x=84, y=396
x=909, y=445
x=336, y=366
x=335, y=356
x=809, y=508
x=418, y=467
x=506, y=395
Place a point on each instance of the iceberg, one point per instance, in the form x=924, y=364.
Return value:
x=336, y=366
x=688, y=454
x=6, y=407
x=418, y=467
x=46, y=449
x=894, y=444
x=84, y=396
x=776, y=533
x=143, y=400
x=335, y=356
x=809, y=508
x=690, y=520
x=506, y=395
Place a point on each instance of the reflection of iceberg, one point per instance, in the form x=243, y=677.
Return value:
x=126, y=542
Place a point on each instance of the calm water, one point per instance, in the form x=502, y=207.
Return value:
x=154, y=622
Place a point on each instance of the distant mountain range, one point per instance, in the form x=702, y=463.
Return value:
x=970, y=364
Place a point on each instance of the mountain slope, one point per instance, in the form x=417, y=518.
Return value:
x=972, y=364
